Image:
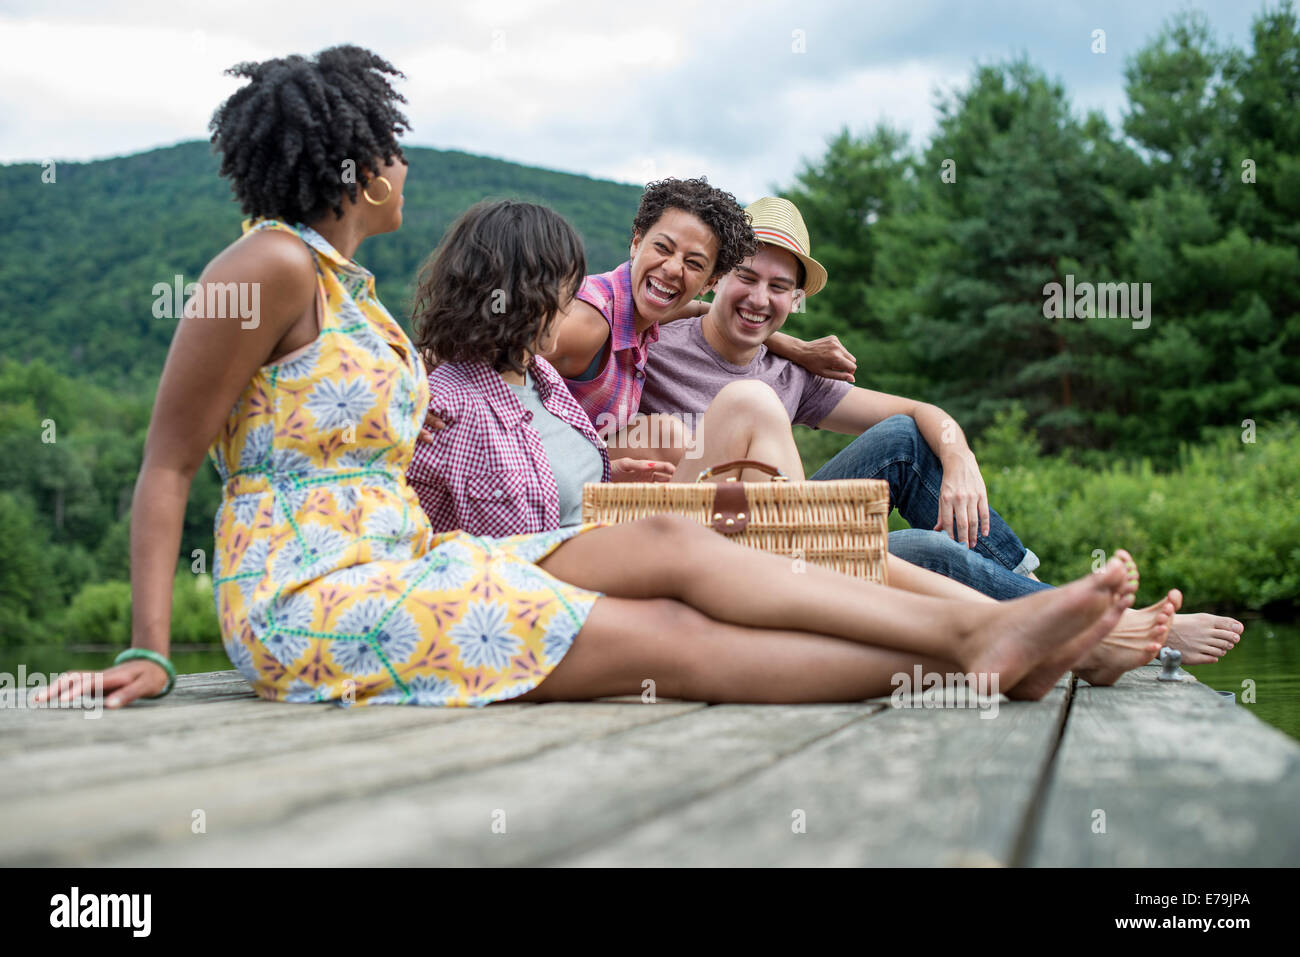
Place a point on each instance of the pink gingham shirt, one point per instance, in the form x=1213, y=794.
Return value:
x=614, y=396
x=487, y=472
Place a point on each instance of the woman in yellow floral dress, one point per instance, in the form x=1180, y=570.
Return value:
x=330, y=582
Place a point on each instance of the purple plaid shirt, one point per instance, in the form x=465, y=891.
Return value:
x=613, y=397
x=487, y=472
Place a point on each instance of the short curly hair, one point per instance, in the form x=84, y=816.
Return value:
x=284, y=138
x=502, y=272
x=716, y=208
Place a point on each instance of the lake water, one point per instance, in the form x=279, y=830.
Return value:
x=1265, y=666
x=1269, y=656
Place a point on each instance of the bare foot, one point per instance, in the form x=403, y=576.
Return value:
x=1134, y=642
x=1033, y=640
x=1203, y=639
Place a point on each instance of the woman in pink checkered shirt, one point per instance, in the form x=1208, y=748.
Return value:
x=515, y=448
x=700, y=616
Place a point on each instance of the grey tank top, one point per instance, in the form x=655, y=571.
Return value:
x=574, y=460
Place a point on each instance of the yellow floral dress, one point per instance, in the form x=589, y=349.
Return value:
x=330, y=583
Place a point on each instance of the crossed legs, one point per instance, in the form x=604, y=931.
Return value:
x=711, y=620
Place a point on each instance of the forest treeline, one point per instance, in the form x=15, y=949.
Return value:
x=1168, y=429
x=940, y=254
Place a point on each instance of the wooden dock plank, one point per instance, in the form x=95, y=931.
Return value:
x=248, y=735
x=1183, y=778
x=198, y=709
x=912, y=786
x=554, y=802
x=79, y=826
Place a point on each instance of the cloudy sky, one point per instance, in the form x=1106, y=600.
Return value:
x=742, y=92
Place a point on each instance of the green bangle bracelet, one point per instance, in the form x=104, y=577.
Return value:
x=157, y=659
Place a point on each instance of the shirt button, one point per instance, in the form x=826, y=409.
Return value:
x=640, y=373
x=498, y=494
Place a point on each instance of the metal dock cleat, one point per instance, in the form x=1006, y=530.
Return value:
x=1171, y=658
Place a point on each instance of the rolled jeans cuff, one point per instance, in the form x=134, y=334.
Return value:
x=1027, y=564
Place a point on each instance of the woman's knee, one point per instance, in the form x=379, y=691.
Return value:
x=673, y=533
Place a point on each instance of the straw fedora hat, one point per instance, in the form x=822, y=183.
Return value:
x=777, y=222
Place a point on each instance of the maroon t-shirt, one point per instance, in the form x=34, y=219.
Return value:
x=684, y=373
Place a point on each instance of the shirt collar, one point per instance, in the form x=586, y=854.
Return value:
x=505, y=405
x=623, y=334
x=359, y=281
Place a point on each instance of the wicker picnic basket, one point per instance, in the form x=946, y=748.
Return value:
x=842, y=524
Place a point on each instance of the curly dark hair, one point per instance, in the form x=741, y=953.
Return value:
x=284, y=137
x=501, y=273
x=716, y=208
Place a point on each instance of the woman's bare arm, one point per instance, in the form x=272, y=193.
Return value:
x=581, y=336
x=210, y=361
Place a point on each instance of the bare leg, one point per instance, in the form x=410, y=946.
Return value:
x=921, y=581
x=673, y=558
x=688, y=655
x=745, y=421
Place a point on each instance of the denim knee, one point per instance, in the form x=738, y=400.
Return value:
x=932, y=550
x=895, y=436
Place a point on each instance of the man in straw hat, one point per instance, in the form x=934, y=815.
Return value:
x=934, y=478
x=918, y=448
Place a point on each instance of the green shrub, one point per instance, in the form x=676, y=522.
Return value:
x=99, y=614
x=1220, y=522
x=194, y=616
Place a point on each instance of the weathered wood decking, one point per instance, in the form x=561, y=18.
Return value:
x=1181, y=777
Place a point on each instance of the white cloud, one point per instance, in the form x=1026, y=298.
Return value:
x=625, y=91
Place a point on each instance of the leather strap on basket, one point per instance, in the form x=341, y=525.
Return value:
x=741, y=464
x=730, y=504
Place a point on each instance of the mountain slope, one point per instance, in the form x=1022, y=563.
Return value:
x=79, y=257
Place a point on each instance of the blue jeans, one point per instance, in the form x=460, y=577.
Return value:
x=894, y=450
x=940, y=554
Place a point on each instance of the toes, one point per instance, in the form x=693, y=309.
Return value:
x=1130, y=568
x=1111, y=574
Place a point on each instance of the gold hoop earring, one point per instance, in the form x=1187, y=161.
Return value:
x=378, y=202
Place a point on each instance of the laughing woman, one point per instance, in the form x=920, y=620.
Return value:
x=331, y=585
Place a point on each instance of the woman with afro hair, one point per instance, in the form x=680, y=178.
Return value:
x=330, y=583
